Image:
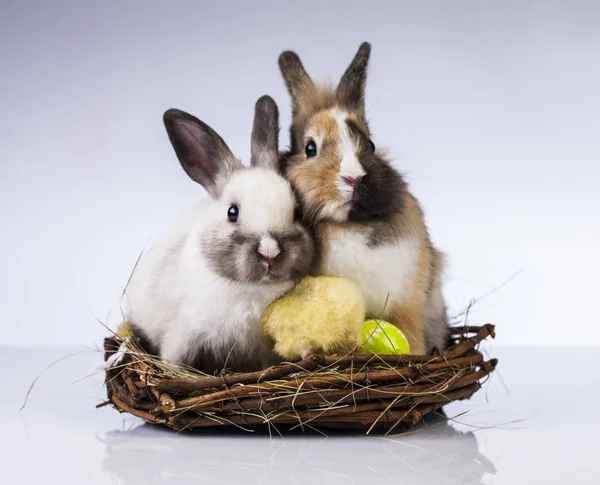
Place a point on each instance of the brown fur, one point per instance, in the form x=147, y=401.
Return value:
x=325, y=125
x=318, y=184
x=421, y=314
x=315, y=100
x=411, y=318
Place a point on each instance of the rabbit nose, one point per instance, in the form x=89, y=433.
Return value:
x=268, y=249
x=352, y=181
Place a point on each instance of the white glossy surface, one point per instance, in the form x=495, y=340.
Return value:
x=543, y=432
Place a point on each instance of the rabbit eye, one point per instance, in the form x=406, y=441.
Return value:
x=233, y=213
x=372, y=145
x=311, y=149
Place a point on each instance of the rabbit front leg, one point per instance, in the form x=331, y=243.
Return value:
x=195, y=351
x=173, y=348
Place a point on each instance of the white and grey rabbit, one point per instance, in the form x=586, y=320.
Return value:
x=197, y=295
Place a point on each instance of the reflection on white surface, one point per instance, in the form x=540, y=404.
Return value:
x=146, y=455
x=537, y=433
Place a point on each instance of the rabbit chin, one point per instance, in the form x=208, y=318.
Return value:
x=335, y=211
x=271, y=278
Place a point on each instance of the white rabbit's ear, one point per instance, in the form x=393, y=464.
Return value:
x=265, y=133
x=351, y=88
x=203, y=154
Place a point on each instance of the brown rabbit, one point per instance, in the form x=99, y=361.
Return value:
x=368, y=226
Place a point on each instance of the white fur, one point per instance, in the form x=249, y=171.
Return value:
x=350, y=166
x=268, y=247
x=176, y=298
x=384, y=273
x=336, y=211
x=265, y=198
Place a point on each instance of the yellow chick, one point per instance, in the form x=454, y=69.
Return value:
x=322, y=314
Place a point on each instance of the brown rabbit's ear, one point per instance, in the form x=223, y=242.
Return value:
x=295, y=76
x=265, y=133
x=351, y=89
x=201, y=151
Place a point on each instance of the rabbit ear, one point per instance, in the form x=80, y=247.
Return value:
x=202, y=152
x=295, y=76
x=351, y=89
x=265, y=132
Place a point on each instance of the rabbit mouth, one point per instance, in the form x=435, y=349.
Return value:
x=272, y=277
x=272, y=272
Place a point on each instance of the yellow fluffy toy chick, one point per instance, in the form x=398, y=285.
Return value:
x=322, y=314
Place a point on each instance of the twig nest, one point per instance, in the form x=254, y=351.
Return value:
x=360, y=391
x=322, y=314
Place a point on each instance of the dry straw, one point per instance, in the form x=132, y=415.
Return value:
x=359, y=391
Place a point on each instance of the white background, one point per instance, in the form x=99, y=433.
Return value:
x=491, y=109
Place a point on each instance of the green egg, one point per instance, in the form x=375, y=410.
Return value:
x=383, y=338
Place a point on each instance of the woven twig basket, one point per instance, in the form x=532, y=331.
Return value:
x=360, y=391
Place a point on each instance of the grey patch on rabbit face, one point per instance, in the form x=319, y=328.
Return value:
x=222, y=253
x=297, y=253
x=265, y=134
x=235, y=256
